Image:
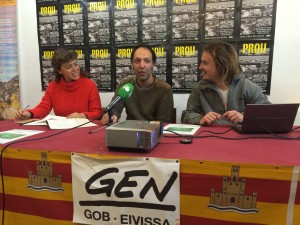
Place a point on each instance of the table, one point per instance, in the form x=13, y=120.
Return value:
x=208, y=166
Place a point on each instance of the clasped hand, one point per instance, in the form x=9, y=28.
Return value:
x=232, y=115
x=105, y=119
x=76, y=115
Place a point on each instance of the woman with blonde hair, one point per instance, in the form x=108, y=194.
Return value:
x=221, y=95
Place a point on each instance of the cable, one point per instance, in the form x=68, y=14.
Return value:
x=237, y=138
x=252, y=137
x=197, y=134
x=272, y=133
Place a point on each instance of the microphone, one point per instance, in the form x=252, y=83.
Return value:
x=124, y=93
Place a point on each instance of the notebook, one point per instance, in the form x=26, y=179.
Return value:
x=266, y=118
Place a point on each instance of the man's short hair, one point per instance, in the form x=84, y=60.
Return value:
x=143, y=46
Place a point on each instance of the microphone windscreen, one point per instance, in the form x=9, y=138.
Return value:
x=125, y=91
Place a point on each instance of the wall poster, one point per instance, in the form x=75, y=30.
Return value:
x=106, y=31
x=9, y=70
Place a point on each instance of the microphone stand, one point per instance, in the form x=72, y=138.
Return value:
x=110, y=114
x=100, y=128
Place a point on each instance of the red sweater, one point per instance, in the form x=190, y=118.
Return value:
x=79, y=96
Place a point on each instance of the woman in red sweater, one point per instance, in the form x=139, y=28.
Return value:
x=71, y=94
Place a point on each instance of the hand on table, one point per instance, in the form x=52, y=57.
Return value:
x=233, y=116
x=209, y=118
x=76, y=115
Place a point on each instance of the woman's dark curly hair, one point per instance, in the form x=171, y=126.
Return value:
x=61, y=56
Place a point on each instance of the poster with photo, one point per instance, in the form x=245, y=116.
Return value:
x=73, y=24
x=219, y=19
x=154, y=21
x=185, y=73
x=160, y=67
x=81, y=57
x=123, y=64
x=185, y=21
x=100, y=67
x=98, y=22
x=46, y=68
x=125, y=22
x=9, y=62
x=257, y=19
x=167, y=26
x=48, y=25
x=255, y=60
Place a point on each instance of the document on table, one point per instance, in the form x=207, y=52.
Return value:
x=43, y=122
x=184, y=129
x=15, y=134
x=60, y=122
x=69, y=123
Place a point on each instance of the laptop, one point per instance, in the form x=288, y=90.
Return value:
x=268, y=118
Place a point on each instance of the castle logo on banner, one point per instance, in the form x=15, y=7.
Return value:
x=127, y=191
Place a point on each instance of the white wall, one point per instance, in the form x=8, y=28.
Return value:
x=285, y=86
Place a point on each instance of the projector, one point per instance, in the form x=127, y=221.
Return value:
x=132, y=135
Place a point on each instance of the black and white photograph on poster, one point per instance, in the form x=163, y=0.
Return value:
x=256, y=19
x=185, y=21
x=46, y=68
x=160, y=67
x=123, y=64
x=154, y=21
x=98, y=22
x=73, y=24
x=88, y=23
x=100, y=68
x=48, y=25
x=81, y=57
x=184, y=67
x=219, y=19
x=125, y=22
x=254, y=58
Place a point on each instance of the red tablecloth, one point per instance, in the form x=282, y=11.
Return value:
x=273, y=151
x=203, y=166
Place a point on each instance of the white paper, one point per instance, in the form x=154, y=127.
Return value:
x=43, y=122
x=60, y=122
x=15, y=134
x=184, y=129
x=69, y=123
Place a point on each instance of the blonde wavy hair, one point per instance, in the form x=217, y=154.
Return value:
x=226, y=60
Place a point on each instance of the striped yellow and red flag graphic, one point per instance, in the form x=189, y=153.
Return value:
x=211, y=193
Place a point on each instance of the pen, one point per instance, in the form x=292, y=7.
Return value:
x=26, y=108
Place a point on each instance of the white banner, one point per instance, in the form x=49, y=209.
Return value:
x=131, y=191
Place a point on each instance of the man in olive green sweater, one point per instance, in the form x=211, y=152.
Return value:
x=152, y=98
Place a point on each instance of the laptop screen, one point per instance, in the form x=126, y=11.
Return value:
x=268, y=118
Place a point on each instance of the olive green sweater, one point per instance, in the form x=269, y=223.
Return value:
x=154, y=103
